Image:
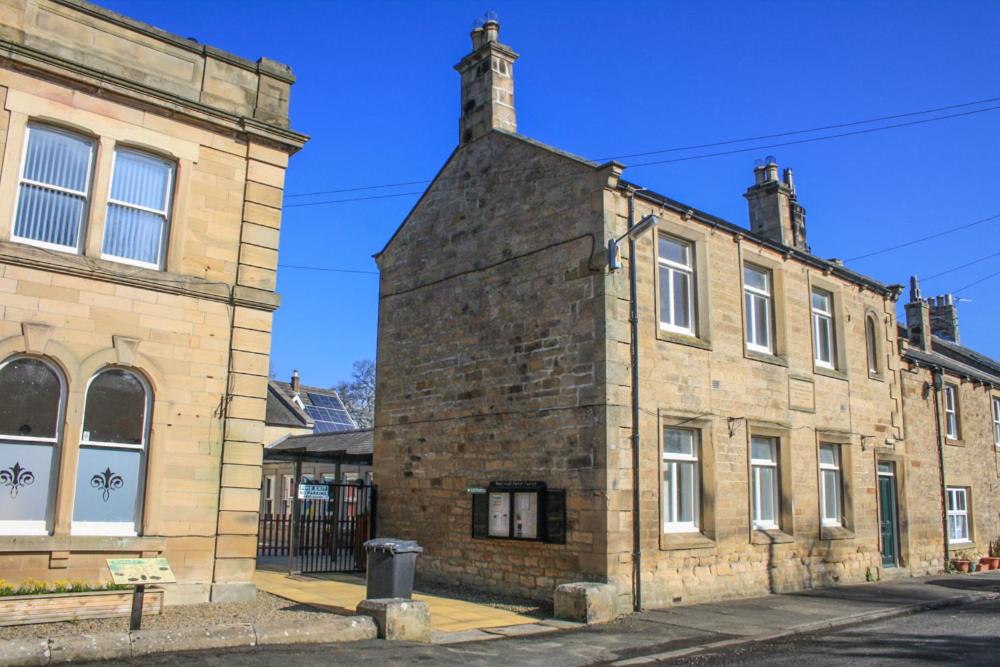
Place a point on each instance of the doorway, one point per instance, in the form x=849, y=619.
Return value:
x=888, y=513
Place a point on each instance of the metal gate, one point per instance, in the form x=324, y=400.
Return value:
x=321, y=534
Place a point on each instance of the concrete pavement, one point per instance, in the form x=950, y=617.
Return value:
x=649, y=637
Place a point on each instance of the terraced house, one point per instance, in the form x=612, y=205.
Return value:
x=746, y=436
x=140, y=196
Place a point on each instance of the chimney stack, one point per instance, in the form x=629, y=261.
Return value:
x=295, y=381
x=775, y=212
x=944, y=317
x=487, y=84
x=918, y=318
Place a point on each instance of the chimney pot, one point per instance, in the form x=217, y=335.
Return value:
x=295, y=381
x=477, y=37
x=492, y=30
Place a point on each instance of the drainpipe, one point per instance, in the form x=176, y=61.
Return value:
x=634, y=322
x=938, y=384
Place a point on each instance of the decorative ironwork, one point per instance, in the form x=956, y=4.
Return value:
x=16, y=477
x=107, y=482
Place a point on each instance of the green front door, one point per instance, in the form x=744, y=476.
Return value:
x=888, y=516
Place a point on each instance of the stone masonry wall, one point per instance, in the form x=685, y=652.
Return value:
x=712, y=385
x=490, y=363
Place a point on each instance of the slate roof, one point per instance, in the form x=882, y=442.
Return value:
x=957, y=359
x=354, y=445
x=282, y=410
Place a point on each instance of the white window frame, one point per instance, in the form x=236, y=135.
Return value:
x=269, y=482
x=118, y=528
x=751, y=295
x=823, y=318
x=951, y=411
x=672, y=461
x=34, y=528
x=84, y=195
x=755, y=466
x=287, y=493
x=996, y=421
x=954, y=492
x=165, y=213
x=673, y=268
x=835, y=467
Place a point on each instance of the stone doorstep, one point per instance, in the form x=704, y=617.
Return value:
x=121, y=645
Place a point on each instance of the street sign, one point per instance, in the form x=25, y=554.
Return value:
x=314, y=492
x=134, y=571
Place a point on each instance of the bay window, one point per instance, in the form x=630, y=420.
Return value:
x=830, y=485
x=765, y=482
x=759, y=310
x=138, y=215
x=958, y=515
x=111, y=470
x=676, y=285
x=681, y=493
x=823, y=329
x=54, y=189
x=32, y=400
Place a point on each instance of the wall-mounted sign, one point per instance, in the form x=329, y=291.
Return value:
x=314, y=492
x=135, y=571
x=517, y=485
x=475, y=489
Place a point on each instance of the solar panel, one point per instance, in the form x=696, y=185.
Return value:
x=328, y=414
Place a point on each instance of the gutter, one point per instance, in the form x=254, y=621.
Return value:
x=634, y=327
x=938, y=384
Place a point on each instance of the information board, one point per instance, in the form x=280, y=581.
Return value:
x=132, y=571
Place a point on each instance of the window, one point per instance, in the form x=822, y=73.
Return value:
x=757, y=296
x=764, y=480
x=268, y=505
x=822, y=316
x=958, y=515
x=996, y=421
x=830, y=485
x=111, y=472
x=54, y=189
x=676, y=285
x=287, y=493
x=135, y=230
x=950, y=412
x=871, y=336
x=33, y=395
x=681, y=495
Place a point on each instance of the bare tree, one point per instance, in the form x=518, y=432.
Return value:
x=358, y=394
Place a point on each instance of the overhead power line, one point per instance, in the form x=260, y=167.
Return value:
x=906, y=244
x=325, y=268
x=976, y=282
x=706, y=145
x=961, y=266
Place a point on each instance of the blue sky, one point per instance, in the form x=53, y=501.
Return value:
x=378, y=95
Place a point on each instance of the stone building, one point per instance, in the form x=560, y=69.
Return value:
x=140, y=197
x=951, y=411
x=766, y=387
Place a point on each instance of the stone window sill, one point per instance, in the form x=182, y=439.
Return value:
x=835, y=373
x=682, y=339
x=680, y=541
x=770, y=536
x=876, y=376
x=954, y=442
x=775, y=359
x=835, y=533
x=961, y=546
x=77, y=543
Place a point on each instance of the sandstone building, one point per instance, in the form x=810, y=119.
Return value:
x=140, y=196
x=756, y=442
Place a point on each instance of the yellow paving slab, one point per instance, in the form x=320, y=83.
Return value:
x=342, y=593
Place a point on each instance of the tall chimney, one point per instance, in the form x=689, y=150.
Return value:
x=918, y=318
x=944, y=317
x=775, y=211
x=295, y=381
x=487, y=84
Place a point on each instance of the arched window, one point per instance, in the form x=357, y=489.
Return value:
x=871, y=336
x=111, y=472
x=32, y=394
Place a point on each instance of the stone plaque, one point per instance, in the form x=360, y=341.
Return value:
x=132, y=571
x=801, y=394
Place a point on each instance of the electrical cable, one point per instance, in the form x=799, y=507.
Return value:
x=906, y=244
x=961, y=266
x=976, y=282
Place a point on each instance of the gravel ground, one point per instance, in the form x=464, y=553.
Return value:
x=265, y=607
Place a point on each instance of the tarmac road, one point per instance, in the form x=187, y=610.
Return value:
x=966, y=635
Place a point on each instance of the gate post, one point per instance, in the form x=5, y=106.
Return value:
x=293, y=531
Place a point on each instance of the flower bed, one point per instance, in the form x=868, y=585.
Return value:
x=41, y=602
